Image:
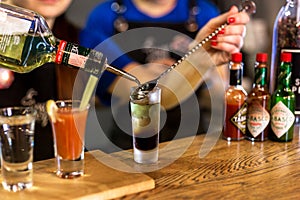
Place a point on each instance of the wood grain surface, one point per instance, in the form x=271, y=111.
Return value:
x=236, y=170
x=99, y=182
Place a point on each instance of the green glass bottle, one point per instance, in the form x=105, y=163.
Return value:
x=259, y=103
x=26, y=43
x=283, y=103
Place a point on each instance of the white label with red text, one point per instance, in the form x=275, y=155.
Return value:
x=77, y=60
x=12, y=25
x=281, y=119
x=258, y=119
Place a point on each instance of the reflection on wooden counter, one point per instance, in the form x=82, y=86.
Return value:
x=236, y=170
x=99, y=182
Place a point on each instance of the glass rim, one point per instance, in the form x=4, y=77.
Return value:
x=13, y=109
x=142, y=93
x=74, y=104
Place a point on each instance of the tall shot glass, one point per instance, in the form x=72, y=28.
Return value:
x=68, y=133
x=17, y=136
x=145, y=118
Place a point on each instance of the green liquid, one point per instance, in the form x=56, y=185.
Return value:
x=23, y=53
x=88, y=91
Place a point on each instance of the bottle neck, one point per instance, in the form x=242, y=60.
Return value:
x=74, y=55
x=236, y=77
x=284, y=77
x=260, y=76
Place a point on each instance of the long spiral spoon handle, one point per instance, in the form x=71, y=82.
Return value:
x=247, y=6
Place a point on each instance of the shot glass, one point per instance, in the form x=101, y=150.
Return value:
x=17, y=136
x=145, y=118
x=68, y=133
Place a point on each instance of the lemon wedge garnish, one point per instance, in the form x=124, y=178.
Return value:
x=51, y=108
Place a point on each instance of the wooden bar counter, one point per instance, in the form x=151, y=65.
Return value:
x=100, y=181
x=236, y=170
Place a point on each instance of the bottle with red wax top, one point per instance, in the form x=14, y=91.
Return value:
x=259, y=102
x=235, y=102
x=283, y=103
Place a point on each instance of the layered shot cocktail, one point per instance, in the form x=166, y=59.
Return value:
x=145, y=115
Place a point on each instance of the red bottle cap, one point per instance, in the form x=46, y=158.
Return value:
x=261, y=57
x=286, y=57
x=237, y=57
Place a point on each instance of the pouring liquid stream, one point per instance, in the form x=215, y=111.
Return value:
x=92, y=82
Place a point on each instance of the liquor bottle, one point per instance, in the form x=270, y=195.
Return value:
x=26, y=42
x=235, y=102
x=283, y=103
x=259, y=102
x=286, y=36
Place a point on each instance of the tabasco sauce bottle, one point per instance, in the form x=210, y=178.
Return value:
x=235, y=102
x=259, y=102
x=283, y=103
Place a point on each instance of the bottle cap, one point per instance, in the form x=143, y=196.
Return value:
x=286, y=57
x=261, y=57
x=237, y=57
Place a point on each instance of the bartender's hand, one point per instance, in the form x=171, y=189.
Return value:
x=228, y=41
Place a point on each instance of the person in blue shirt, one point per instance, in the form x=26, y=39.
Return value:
x=145, y=37
x=102, y=21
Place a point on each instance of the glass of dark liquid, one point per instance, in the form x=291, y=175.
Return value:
x=145, y=117
x=16, y=147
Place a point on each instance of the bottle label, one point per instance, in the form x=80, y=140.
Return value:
x=11, y=35
x=69, y=54
x=11, y=46
x=239, y=119
x=282, y=118
x=3, y=16
x=258, y=119
x=10, y=25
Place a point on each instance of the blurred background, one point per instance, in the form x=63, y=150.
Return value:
x=259, y=30
x=266, y=9
x=258, y=39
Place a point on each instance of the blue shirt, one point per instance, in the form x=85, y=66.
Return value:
x=99, y=30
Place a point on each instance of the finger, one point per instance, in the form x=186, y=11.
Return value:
x=232, y=39
x=231, y=43
x=230, y=48
x=234, y=30
x=239, y=18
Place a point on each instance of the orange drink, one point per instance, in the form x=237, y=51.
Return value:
x=69, y=132
x=68, y=125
